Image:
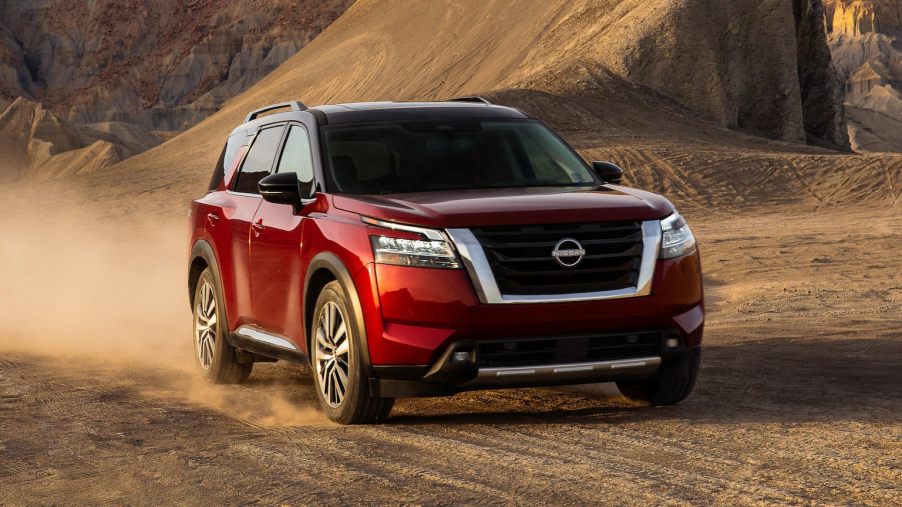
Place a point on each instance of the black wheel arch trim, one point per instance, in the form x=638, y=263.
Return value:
x=332, y=263
x=203, y=250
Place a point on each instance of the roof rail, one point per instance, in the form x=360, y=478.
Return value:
x=295, y=105
x=473, y=98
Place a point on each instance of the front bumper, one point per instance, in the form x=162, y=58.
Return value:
x=416, y=312
x=421, y=317
x=469, y=365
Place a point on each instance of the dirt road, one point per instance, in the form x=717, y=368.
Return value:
x=799, y=401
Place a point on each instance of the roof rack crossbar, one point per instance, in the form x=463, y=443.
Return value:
x=473, y=98
x=295, y=105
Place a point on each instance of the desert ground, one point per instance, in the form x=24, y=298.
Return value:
x=798, y=399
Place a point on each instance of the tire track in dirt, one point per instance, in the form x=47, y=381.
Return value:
x=684, y=450
x=585, y=456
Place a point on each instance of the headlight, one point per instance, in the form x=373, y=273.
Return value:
x=433, y=251
x=677, y=238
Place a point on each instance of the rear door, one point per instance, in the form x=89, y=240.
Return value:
x=245, y=199
x=213, y=212
x=276, y=274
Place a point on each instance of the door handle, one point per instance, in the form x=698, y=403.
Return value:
x=258, y=227
x=212, y=218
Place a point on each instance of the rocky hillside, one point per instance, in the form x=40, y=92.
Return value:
x=762, y=67
x=865, y=37
x=156, y=65
x=36, y=144
x=679, y=77
x=163, y=64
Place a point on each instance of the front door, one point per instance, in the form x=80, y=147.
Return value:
x=246, y=198
x=276, y=271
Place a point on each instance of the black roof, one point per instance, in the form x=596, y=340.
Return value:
x=387, y=111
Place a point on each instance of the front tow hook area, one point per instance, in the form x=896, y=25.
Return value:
x=456, y=366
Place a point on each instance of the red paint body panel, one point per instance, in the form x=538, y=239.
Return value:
x=411, y=313
x=223, y=220
x=276, y=269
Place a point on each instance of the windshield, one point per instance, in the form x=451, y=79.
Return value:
x=421, y=156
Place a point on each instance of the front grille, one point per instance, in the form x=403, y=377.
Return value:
x=565, y=350
x=521, y=260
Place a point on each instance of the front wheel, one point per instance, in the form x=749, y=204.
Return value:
x=338, y=370
x=216, y=358
x=672, y=385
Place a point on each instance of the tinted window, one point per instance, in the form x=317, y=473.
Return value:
x=259, y=159
x=296, y=158
x=418, y=156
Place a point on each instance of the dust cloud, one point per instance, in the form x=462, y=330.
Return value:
x=75, y=288
x=109, y=296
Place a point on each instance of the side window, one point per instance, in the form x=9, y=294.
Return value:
x=259, y=159
x=296, y=158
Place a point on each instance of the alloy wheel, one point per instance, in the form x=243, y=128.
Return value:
x=205, y=323
x=332, y=344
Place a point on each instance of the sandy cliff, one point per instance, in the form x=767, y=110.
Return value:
x=758, y=66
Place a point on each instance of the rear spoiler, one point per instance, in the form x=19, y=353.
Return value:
x=295, y=105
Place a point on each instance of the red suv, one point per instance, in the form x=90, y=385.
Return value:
x=423, y=249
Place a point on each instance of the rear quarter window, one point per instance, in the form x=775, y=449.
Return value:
x=227, y=157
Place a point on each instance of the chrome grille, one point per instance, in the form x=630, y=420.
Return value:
x=521, y=257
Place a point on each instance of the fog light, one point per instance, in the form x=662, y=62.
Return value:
x=672, y=343
x=460, y=356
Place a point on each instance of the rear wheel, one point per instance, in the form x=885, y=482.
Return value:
x=673, y=384
x=215, y=356
x=338, y=371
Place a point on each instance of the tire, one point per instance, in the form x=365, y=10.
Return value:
x=341, y=382
x=672, y=385
x=214, y=356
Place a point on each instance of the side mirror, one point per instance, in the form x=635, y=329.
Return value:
x=608, y=172
x=283, y=188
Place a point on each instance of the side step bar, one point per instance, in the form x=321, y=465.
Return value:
x=259, y=341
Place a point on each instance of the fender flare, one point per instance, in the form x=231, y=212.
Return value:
x=333, y=264
x=203, y=250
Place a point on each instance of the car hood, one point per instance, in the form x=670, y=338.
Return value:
x=509, y=206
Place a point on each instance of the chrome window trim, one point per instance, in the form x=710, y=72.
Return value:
x=256, y=334
x=477, y=265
